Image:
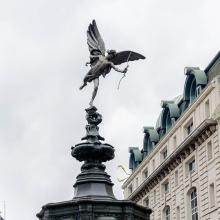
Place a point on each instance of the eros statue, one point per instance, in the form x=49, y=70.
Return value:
x=102, y=63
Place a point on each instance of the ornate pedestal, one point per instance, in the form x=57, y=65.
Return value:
x=94, y=198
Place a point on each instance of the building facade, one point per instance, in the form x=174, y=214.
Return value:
x=176, y=172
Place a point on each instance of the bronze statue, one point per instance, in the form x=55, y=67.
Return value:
x=100, y=63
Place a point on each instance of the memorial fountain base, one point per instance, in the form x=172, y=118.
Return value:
x=93, y=198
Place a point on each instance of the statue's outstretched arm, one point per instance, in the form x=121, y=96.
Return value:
x=119, y=70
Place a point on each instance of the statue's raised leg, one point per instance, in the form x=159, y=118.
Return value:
x=81, y=87
x=96, y=86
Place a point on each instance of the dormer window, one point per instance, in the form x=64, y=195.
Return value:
x=193, y=91
x=198, y=90
x=195, y=81
x=151, y=137
x=135, y=157
x=169, y=114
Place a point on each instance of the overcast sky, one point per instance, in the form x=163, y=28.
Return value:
x=42, y=55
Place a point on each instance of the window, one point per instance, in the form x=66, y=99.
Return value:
x=174, y=142
x=155, y=196
x=145, y=173
x=176, y=178
x=207, y=109
x=177, y=213
x=192, y=166
x=166, y=213
x=189, y=128
x=153, y=164
x=212, y=195
x=209, y=150
x=130, y=189
x=146, y=202
x=198, y=90
x=163, y=154
x=194, y=205
x=165, y=187
x=136, y=182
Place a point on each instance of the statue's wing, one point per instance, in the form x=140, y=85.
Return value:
x=125, y=56
x=94, y=39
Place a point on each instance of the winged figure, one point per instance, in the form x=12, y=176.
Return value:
x=102, y=61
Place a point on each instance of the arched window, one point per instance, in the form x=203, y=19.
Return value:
x=193, y=94
x=177, y=213
x=194, y=204
x=166, y=213
x=148, y=145
x=168, y=121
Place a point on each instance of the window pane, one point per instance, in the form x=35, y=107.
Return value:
x=209, y=150
x=167, y=213
x=194, y=208
x=192, y=166
x=176, y=178
x=178, y=213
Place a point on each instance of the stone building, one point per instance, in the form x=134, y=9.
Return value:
x=177, y=170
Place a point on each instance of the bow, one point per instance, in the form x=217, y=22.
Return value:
x=124, y=73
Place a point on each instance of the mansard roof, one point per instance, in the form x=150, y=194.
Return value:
x=195, y=78
x=196, y=81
